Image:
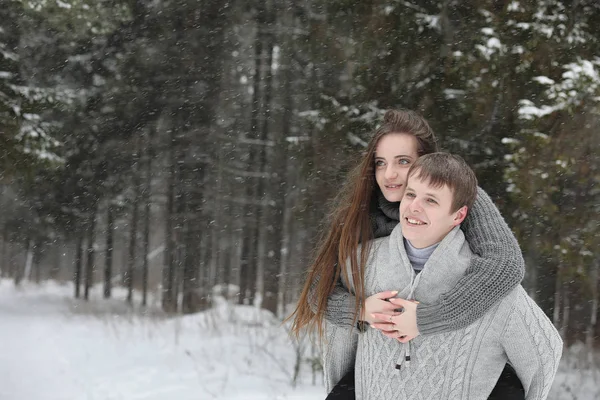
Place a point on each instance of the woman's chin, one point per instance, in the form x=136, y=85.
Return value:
x=393, y=197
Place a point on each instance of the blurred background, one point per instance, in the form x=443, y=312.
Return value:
x=166, y=154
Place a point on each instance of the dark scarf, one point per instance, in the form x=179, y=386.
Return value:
x=384, y=214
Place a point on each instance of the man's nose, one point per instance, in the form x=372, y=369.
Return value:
x=415, y=205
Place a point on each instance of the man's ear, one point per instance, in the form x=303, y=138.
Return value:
x=460, y=215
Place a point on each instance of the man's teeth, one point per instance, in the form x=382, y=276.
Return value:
x=415, y=222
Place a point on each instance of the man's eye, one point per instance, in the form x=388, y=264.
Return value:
x=432, y=201
x=411, y=195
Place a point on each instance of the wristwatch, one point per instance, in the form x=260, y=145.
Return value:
x=362, y=326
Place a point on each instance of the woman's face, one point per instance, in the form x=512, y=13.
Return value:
x=394, y=155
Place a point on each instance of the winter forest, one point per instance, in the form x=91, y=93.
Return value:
x=167, y=166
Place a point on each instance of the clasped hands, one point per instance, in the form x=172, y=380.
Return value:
x=396, y=318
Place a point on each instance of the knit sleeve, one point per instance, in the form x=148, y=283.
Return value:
x=340, y=305
x=339, y=354
x=533, y=347
x=341, y=335
x=496, y=268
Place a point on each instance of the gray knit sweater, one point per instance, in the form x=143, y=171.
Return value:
x=464, y=364
x=496, y=268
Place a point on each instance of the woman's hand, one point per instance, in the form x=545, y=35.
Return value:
x=378, y=304
x=401, y=326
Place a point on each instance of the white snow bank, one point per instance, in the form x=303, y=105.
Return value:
x=53, y=347
x=56, y=348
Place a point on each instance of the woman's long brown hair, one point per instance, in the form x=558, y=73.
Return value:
x=350, y=225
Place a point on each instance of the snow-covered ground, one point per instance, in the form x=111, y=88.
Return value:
x=53, y=347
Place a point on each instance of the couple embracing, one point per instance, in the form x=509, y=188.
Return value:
x=415, y=288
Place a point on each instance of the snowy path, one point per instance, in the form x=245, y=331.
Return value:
x=53, y=349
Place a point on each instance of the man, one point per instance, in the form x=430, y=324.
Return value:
x=426, y=255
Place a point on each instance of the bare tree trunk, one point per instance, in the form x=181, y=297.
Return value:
x=168, y=298
x=178, y=232
x=188, y=303
x=89, y=266
x=108, y=261
x=237, y=231
x=221, y=208
x=37, y=268
x=58, y=251
x=249, y=244
x=566, y=311
x=191, y=301
x=205, y=272
x=3, y=255
x=4, y=260
x=78, y=265
x=134, y=225
x=283, y=208
x=250, y=237
x=22, y=270
x=226, y=250
x=28, y=261
x=147, y=211
x=591, y=326
x=10, y=270
x=248, y=262
x=166, y=270
x=132, y=252
x=557, y=298
x=222, y=244
x=193, y=222
x=532, y=266
x=270, y=186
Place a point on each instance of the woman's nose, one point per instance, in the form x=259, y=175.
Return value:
x=391, y=173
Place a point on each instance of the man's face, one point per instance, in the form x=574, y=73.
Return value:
x=425, y=212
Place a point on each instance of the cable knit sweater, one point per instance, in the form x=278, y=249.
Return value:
x=464, y=364
x=495, y=269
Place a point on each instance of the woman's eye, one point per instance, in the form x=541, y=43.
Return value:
x=404, y=161
x=379, y=163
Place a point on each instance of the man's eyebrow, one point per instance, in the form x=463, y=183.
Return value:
x=426, y=193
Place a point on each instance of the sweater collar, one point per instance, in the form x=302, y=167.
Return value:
x=418, y=257
x=384, y=215
x=444, y=268
x=388, y=208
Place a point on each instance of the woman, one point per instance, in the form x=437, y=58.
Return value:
x=367, y=208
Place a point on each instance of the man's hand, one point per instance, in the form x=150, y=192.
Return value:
x=400, y=326
x=378, y=304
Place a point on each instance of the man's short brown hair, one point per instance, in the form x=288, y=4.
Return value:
x=441, y=169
